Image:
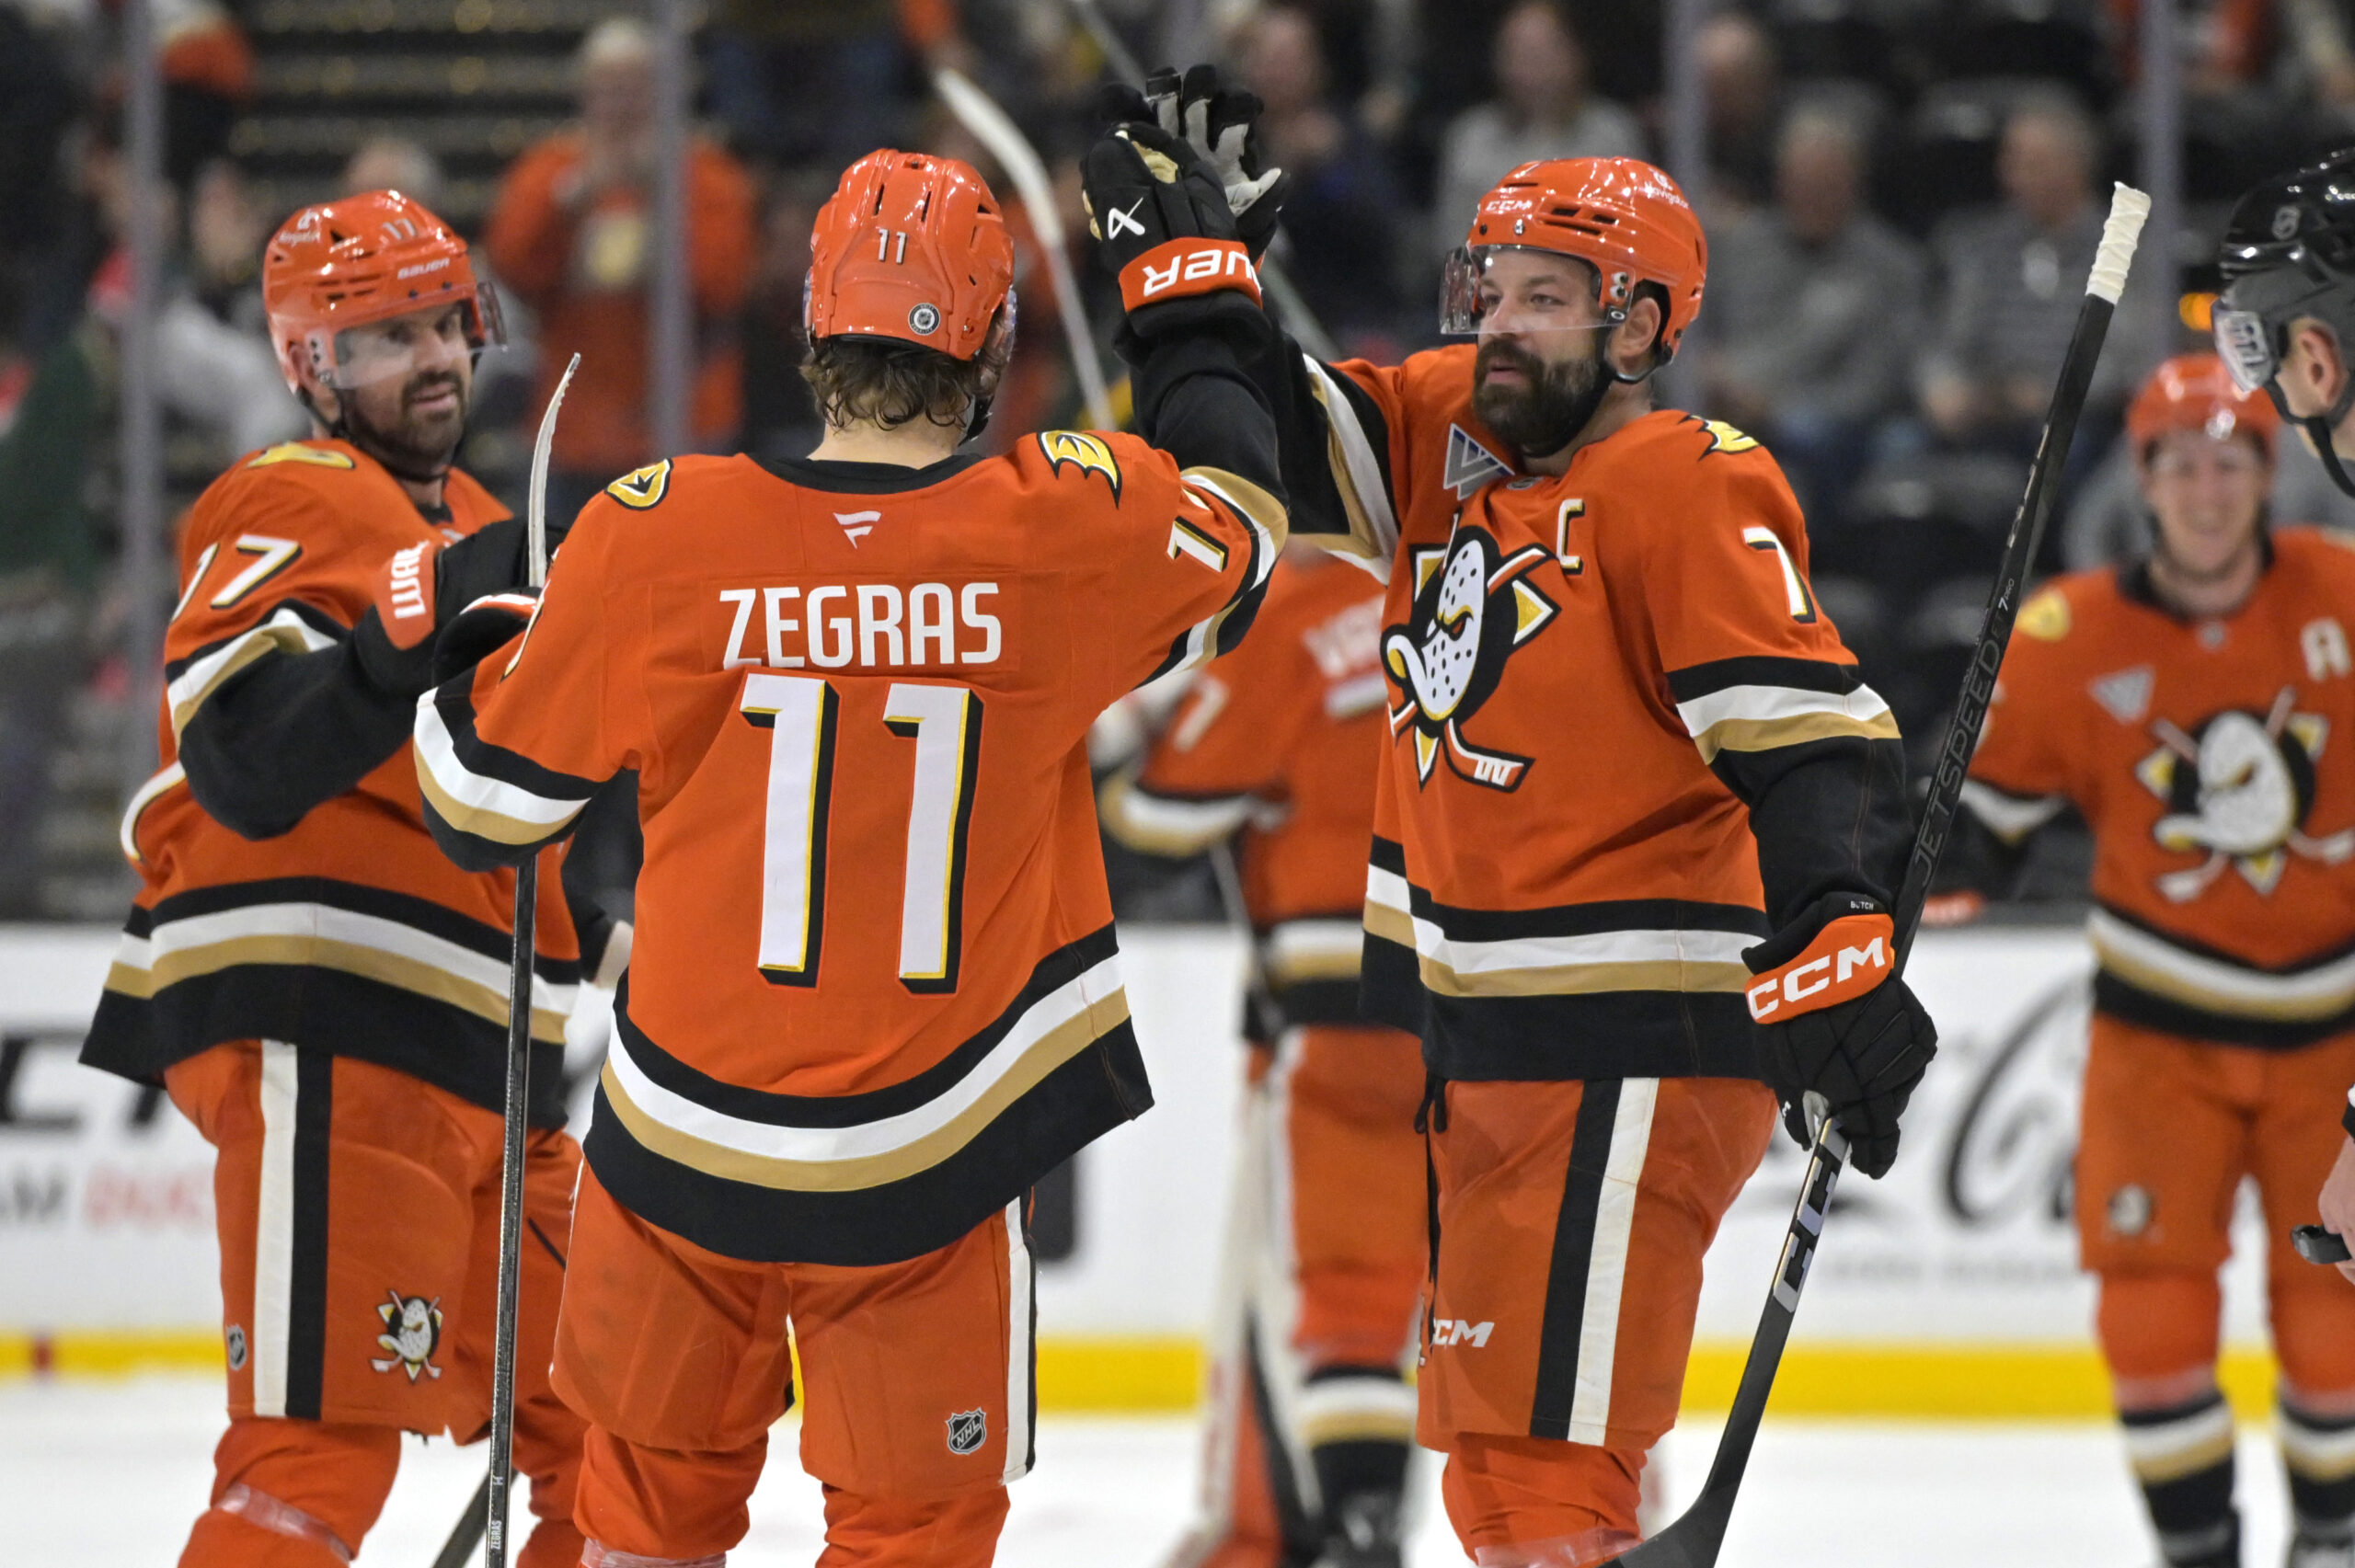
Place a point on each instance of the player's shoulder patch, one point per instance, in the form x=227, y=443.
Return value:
x=641, y=488
x=2047, y=616
x=1086, y=452
x=1722, y=437
x=298, y=452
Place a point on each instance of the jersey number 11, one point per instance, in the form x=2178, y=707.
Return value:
x=800, y=712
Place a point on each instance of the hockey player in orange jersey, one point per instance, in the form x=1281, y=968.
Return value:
x=875, y=992
x=2195, y=705
x=320, y=991
x=1635, y=795
x=1312, y=1419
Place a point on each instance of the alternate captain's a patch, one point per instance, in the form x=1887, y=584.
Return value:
x=642, y=488
x=1090, y=455
x=1185, y=539
x=295, y=452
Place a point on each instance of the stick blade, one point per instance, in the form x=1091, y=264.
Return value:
x=1692, y=1540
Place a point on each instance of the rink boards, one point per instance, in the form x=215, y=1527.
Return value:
x=1950, y=1287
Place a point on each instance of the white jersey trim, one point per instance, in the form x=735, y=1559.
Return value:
x=479, y=799
x=274, y=1229
x=2216, y=985
x=2010, y=817
x=1607, y=1273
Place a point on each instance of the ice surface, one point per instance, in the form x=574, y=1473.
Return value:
x=100, y=1474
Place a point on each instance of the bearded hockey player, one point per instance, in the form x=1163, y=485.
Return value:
x=2192, y=705
x=322, y=992
x=1634, y=796
x=1277, y=745
x=875, y=993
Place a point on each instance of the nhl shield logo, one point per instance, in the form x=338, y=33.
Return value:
x=412, y=1334
x=968, y=1430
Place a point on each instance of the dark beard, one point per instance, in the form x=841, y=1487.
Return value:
x=1546, y=414
x=412, y=451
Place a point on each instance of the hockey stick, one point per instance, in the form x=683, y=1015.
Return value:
x=467, y=1534
x=519, y=1074
x=1306, y=330
x=1694, y=1539
x=994, y=129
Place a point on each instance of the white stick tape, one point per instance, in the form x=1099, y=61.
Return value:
x=2128, y=207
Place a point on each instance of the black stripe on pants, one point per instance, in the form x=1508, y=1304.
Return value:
x=1558, y=1344
x=306, y=1293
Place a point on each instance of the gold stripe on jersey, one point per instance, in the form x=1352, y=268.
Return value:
x=1296, y=952
x=1761, y=718
x=1153, y=823
x=285, y=631
x=322, y=936
x=1057, y=1027
x=474, y=803
x=2210, y=983
x=1357, y=475
x=1681, y=959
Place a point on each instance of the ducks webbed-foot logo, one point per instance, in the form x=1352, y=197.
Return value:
x=1473, y=606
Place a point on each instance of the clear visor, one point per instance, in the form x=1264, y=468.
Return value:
x=1517, y=288
x=2245, y=346
x=417, y=343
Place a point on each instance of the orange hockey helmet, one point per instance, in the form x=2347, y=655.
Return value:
x=1621, y=216
x=911, y=247
x=344, y=263
x=2196, y=392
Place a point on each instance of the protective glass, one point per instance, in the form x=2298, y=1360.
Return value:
x=2245, y=346
x=401, y=346
x=1476, y=296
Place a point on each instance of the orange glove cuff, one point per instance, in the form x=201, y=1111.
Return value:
x=1180, y=269
x=1847, y=958
x=405, y=595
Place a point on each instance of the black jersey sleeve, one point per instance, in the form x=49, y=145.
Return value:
x=287, y=733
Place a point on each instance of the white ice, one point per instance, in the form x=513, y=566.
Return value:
x=94, y=1475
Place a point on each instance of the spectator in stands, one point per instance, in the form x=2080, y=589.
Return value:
x=2012, y=277
x=1814, y=306
x=570, y=233
x=1741, y=88
x=1543, y=109
x=396, y=163
x=780, y=416
x=1342, y=218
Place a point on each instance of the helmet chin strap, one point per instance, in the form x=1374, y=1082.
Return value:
x=2318, y=428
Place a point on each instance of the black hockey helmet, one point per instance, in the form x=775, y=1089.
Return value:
x=2288, y=252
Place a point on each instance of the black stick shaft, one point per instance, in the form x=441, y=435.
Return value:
x=467, y=1534
x=2002, y=608
x=510, y=1217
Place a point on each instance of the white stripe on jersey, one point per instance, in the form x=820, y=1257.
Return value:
x=1606, y=1272
x=1021, y=1308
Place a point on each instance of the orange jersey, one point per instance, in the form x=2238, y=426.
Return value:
x=1600, y=685
x=351, y=933
x=2209, y=759
x=874, y=991
x=1280, y=739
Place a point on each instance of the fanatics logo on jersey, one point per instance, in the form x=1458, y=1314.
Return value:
x=857, y=525
x=412, y=1334
x=2238, y=789
x=968, y=1430
x=1078, y=449
x=1469, y=464
x=2126, y=696
x=1472, y=609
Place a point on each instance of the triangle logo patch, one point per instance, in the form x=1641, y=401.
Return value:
x=1469, y=464
x=2125, y=696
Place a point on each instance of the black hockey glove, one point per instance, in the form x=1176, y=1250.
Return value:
x=1834, y=1017
x=1166, y=234
x=420, y=591
x=481, y=629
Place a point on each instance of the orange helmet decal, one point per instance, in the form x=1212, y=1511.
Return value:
x=1623, y=216
x=911, y=247
x=2196, y=392
x=342, y=264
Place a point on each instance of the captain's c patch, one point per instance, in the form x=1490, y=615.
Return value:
x=1090, y=454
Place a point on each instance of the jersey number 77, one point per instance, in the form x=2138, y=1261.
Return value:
x=800, y=712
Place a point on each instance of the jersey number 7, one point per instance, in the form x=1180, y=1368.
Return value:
x=800, y=712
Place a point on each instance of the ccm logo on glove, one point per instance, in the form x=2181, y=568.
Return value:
x=1178, y=268
x=1847, y=958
